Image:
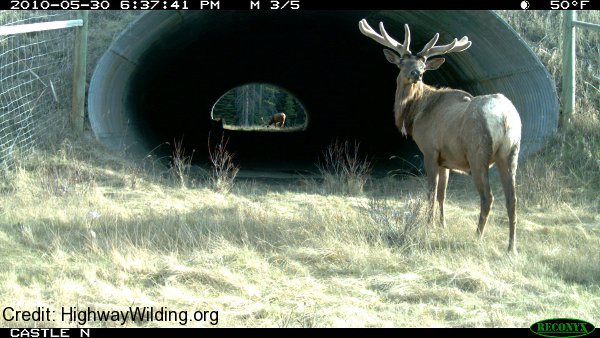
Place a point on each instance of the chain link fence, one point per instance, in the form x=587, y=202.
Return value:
x=35, y=82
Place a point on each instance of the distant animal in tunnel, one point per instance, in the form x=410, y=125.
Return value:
x=278, y=119
x=454, y=129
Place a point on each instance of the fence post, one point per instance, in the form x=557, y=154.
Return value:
x=79, y=73
x=568, y=68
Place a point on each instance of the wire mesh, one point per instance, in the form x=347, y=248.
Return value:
x=35, y=82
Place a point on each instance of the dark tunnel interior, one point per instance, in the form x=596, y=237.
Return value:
x=345, y=97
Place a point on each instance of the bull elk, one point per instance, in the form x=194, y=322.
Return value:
x=278, y=119
x=454, y=129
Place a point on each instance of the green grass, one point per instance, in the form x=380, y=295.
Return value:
x=80, y=226
x=272, y=129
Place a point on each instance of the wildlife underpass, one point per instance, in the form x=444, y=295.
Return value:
x=162, y=76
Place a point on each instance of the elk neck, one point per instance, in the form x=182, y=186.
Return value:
x=411, y=100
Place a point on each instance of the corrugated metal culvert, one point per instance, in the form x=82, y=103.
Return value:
x=161, y=77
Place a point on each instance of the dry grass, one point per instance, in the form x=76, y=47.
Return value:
x=343, y=169
x=82, y=227
x=76, y=232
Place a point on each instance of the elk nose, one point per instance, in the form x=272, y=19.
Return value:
x=415, y=74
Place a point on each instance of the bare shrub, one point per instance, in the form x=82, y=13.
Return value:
x=402, y=226
x=223, y=169
x=180, y=163
x=343, y=170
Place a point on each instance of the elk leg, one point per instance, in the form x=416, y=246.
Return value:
x=507, y=170
x=441, y=192
x=482, y=183
x=431, y=168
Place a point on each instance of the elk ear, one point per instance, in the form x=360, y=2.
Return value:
x=392, y=57
x=434, y=64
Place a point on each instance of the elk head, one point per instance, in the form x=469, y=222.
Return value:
x=412, y=67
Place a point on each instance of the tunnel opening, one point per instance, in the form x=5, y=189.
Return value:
x=260, y=107
x=161, y=78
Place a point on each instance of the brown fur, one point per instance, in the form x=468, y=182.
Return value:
x=278, y=119
x=419, y=99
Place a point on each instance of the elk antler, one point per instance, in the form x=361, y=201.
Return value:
x=386, y=40
x=455, y=46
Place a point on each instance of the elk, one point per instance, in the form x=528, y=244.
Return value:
x=278, y=119
x=452, y=128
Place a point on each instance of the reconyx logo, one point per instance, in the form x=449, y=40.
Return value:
x=562, y=327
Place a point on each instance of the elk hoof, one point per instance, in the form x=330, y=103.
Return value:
x=512, y=250
x=479, y=234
